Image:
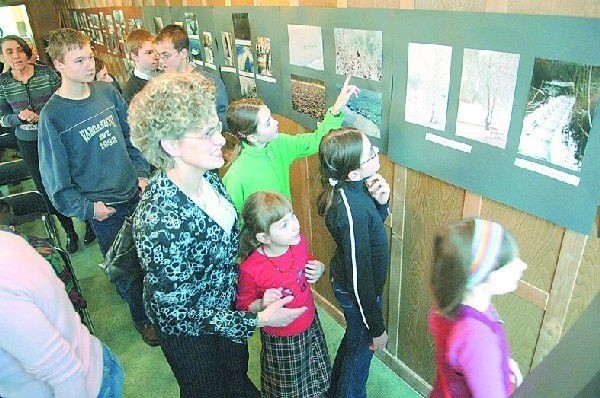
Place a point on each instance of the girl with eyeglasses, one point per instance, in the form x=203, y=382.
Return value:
x=354, y=203
x=294, y=359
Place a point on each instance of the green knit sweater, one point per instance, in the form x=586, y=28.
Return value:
x=268, y=168
x=16, y=96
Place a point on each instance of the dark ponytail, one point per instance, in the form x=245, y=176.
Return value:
x=339, y=154
x=242, y=121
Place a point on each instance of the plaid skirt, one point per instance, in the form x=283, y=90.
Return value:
x=295, y=366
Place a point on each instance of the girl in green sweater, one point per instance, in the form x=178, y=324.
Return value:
x=262, y=157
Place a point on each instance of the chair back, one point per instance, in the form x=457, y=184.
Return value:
x=13, y=172
x=30, y=206
x=83, y=312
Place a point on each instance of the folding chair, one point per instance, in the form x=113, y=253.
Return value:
x=83, y=312
x=13, y=172
x=30, y=206
x=8, y=139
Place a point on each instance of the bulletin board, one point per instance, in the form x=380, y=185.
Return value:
x=480, y=100
x=522, y=179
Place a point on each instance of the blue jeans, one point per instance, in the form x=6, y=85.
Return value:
x=353, y=358
x=112, y=376
x=130, y=289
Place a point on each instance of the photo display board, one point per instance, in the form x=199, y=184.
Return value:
x=502, y=105
x=505, y=106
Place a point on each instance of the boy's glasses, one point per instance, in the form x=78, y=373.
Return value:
x=166, y=55
x=372, y=154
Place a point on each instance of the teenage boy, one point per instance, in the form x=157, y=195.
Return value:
x=142, y=49
x=173, y=45
x=89, y=168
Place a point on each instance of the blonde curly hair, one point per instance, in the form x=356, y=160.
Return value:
x=170, y=106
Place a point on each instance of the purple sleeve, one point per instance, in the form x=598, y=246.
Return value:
x=474, y=351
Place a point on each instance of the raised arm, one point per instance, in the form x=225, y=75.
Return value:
x=301, y=145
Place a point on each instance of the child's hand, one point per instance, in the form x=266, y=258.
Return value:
x=378, y=188
x=516, y=377
x=379, y=342
x=102, y=211
x=313, y=270
x=345, y=93
x=270, y=296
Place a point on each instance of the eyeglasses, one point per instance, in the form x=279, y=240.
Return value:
x=208, y=133
x=166, y=55
x=372, y=154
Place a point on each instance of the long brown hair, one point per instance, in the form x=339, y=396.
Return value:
x=339, y=153
x=242, y=120
x=452, y=258
x=261, y=209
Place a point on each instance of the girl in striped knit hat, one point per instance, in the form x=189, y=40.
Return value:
x=474, y=260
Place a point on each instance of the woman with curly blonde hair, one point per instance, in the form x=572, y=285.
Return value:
x=186, y=234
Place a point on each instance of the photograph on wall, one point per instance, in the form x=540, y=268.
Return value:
x=101, y=21
x=359, y=53
x=209, y=57
x=106, y=42
x=264, y=59
x=119, y=25
x=245, y=61
x=195, y=51
x=84, y=19
x=248, y=87
x=76, y=24
x=114, y=43
x=427, y=84
x=191, y=25
x=560, y=108
x=110, y=26
x=486, y=96
x=306, y=46
x=158, y=24
x=138, y=23
x=94, y=21
x=227, y=48
x=119, y=17
x=241, y=28
x=308, y=96
x=363, y=111
x=130, y=25
x=129, y=66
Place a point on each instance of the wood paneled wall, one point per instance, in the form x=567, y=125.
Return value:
x=564, y=267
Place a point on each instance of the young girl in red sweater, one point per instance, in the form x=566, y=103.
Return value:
x=294, y=358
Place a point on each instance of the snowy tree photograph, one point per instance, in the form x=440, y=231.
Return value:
x=560, y=108
x=486, y=97
x=427, y=85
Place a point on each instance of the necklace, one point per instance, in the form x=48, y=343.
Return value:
x=298, y=273
x=283, y=270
